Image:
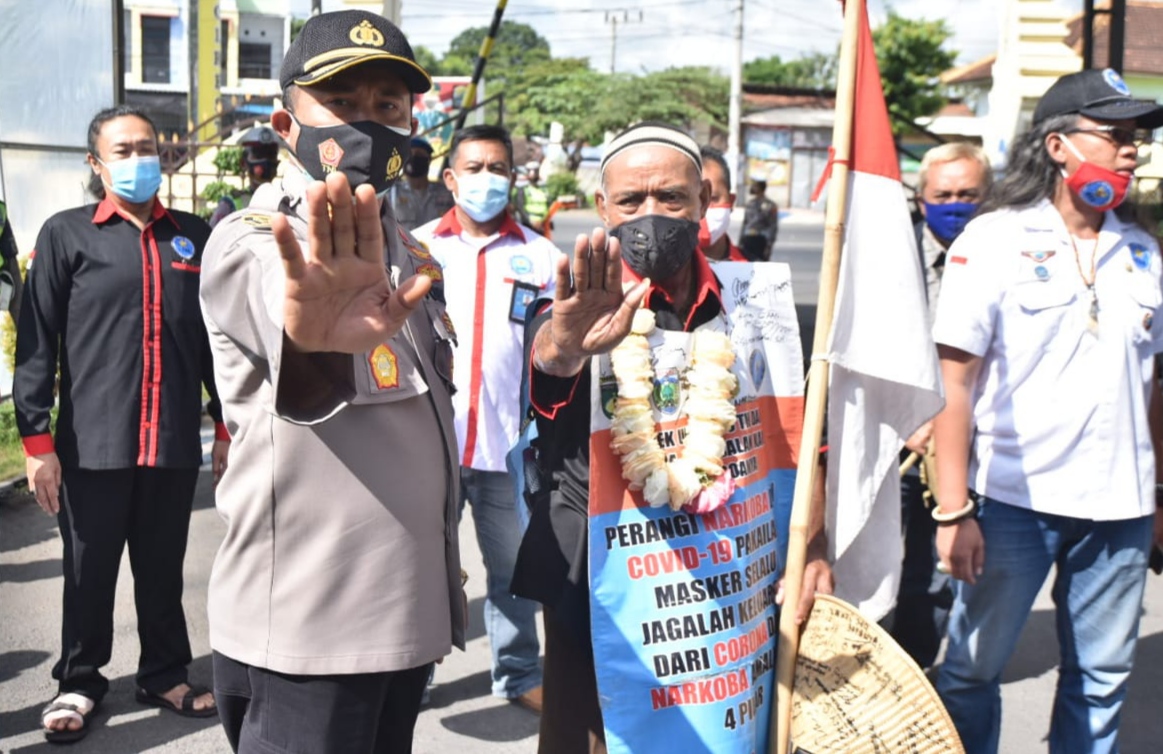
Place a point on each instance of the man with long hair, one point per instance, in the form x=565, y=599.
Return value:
x=1047, y=328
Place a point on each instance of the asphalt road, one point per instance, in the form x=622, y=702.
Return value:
x=461, y=717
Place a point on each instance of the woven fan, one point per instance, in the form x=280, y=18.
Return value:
x=857, y=692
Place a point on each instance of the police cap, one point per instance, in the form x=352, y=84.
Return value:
x=333, y=42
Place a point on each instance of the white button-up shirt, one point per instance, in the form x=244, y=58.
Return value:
x=488, y=282
x=1059, y=411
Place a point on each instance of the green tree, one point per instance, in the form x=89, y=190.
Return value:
x=911, y=56
x=517, y=48
x=814, y=71
x=427, y=60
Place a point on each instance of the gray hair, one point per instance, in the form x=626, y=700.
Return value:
x=951, y=152
x=1031, y=174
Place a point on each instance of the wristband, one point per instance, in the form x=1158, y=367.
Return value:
x=955, y=517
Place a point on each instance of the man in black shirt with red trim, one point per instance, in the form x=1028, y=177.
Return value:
x=112, y=301
x=651, y=199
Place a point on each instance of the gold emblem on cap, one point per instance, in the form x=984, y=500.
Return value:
x=366, y=34
x=395, y=165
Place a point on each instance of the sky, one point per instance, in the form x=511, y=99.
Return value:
x=689, y=32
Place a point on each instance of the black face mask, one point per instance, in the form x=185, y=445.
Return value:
x=417, y=166
x=366, y=152
x=657, y=246
x=261, y=171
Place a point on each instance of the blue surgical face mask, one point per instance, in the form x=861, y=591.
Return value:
x=482, y=196
x=134, y=179
x=948, y=220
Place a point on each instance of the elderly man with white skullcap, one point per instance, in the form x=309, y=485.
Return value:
x=651, y=199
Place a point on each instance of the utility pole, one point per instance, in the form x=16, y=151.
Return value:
x=612, y=20
x=118, y=52
x=1116, y=29
x=735, y=112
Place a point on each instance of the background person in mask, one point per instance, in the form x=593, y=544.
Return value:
x=953, y=180
x=651, y=199
x=713, y=239
x=1047, y=327
x=338, y=582
x=112, y=302
x=493, y=269
x=416, y=200
x=260, y=156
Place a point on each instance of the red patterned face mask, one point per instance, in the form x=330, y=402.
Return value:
x=1101, y=188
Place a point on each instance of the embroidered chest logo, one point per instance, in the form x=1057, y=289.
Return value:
x=1039, y=258
x=385, y=370
x=184, y=247
x=520, y=264
x=1140, y=255
x=330, y=153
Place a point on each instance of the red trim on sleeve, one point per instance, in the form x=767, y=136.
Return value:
x=221, y=433
x=549, y=412
x=38, y=445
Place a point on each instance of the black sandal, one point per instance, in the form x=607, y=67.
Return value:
x=187, y=709
x=67, y=735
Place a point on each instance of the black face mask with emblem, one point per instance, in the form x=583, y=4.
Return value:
x=657, y=246
x=365, y=151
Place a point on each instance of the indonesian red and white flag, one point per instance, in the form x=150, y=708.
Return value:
x=885, y=379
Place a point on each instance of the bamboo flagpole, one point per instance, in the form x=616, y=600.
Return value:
x=817, y=394
x=478, y=71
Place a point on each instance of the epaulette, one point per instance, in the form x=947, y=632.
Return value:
x=257, y=220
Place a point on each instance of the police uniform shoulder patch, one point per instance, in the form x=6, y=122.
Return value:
x=431, y=271
x=184, y=247
x=257, y=220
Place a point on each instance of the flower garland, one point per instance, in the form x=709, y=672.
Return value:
x=694, y=481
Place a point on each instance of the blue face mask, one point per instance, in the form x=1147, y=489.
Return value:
x=135, y=179
x=948, y=220
x=482, y=196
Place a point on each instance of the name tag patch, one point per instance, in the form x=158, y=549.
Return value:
x=524, y=294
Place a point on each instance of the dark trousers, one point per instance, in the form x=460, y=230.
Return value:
x=571, y=717
x=265, y=712
x=923, y=600
x=102, y=511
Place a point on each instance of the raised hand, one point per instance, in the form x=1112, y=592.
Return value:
x=591, y=313
x=338, y=295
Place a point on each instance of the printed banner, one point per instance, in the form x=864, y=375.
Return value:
x=683, y=606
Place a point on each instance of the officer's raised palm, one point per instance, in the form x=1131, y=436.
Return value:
x=338, y=296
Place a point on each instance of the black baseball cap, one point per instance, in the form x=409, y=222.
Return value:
x=1098, y=94
x=333, y=42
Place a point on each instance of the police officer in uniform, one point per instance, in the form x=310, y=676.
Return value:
x=532, y=201
x=338, y=582
x=260, y=155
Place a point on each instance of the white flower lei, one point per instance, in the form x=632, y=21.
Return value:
x=695, y=479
